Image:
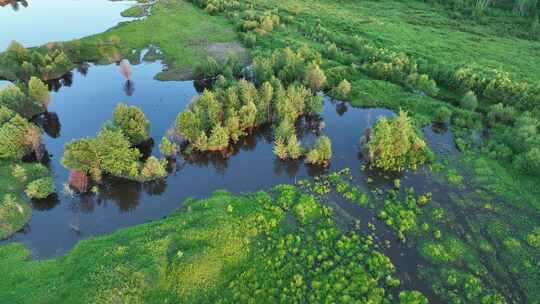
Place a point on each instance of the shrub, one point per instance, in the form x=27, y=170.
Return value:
x=219, y=139
x=19, y=173
x=412, y=297
x=469, y=101
x=315, y=77
x=442, y=114
x=18, y=137
x=321, y=154
x=153, y=169
x=132, y=122
x=280, y=149
x=394, y=145
x=167, y=148
x=208, y=69
x=40, y=188
x=294, y=149
x=18, y=51
x=343, y=89
x=82, y=155
x=39, y=92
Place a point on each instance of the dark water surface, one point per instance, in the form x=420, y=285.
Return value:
x=37, y=22
x=84, y=101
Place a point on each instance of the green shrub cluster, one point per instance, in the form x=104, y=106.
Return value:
x=209, y=69
x=27, y=100
x=18, y=136
x=321, y=154
x=112, y=152
x=40, y=188
x=27, y=63
x=233, y=108
x=395, y=145
x=132, y=122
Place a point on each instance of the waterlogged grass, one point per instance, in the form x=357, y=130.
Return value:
x=281, y=246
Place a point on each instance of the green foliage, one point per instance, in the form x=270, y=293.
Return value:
x=321, y=154
x=469, y=101
x=168, y=148
x=280, y=148
x=39, y=92
x=343, y=89
x=294, y=149
x=442, y=114
x=153, y=169
x=219, y=139
x=40, y=188
x=254, y=259
x=395, y=145
x=315, y=77
x=18, y=136
x=132, y=122
x=412, y=297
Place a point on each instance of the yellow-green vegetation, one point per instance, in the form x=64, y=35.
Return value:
x=281, y=246
x=184, y=35
x=113, y=151
x=395, y=145
x=15, y=178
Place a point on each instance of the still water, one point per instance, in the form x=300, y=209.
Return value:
x=86, y=98
x=37, y=22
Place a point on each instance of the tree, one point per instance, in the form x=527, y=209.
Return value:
x=315, y=77
x=133, y=122
x=469, y=101
x=442, y=114
x=412, y=297
x=82, y=155
x=280, y=149
x=219, y=139
x=167, y=148
x=208, y=110
x=18, y=51
x=321, y=154
x=314, y=105
x=233, y=128
x=294, y=150
x=115, y=154
x=264, y=103
x=39, y=92
x=343, y=89
x=188, y=125
x=153, y=169
x=13, y=98
x=394, y=145
x=248, y=115
x=14, y=137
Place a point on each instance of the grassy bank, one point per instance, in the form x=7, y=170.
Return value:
x=280, y=246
